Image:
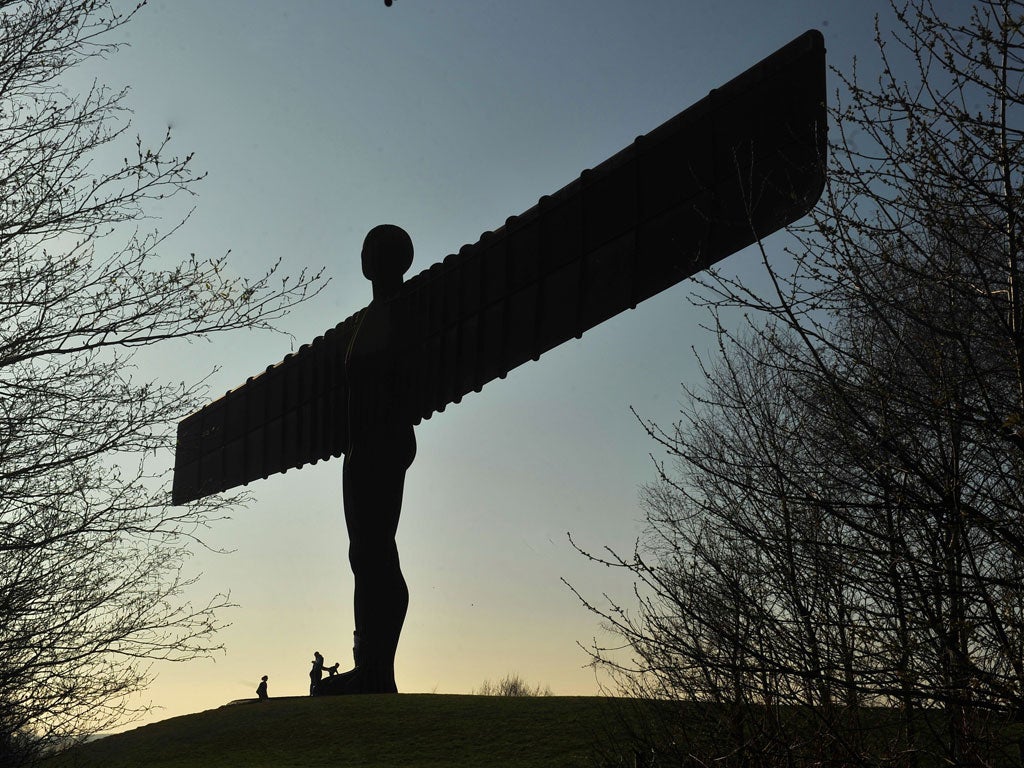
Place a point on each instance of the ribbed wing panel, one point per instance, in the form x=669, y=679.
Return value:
x=740, y=164
x=290, y=415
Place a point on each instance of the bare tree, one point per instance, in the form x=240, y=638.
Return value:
x=91, y=552
x=844, y=524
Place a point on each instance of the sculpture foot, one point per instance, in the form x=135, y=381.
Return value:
x=363, y=679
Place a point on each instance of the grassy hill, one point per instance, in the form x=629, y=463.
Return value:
x=420, y=730
x=408, y=730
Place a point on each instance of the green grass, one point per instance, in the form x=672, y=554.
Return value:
x=420, y=730
x=408, y=730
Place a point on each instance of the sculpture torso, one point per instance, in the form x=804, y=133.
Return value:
x=376, y=410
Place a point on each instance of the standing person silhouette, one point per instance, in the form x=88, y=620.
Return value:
x=316, y=673
x=261, y=689
x=380, y=447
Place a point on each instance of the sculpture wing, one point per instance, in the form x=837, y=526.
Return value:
x=290, y=415
x=738, y=165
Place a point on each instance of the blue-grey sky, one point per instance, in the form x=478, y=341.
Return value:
x=317, y=120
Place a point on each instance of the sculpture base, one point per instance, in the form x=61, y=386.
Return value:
x=358, y=680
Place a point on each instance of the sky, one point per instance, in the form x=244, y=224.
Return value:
x=317, y=121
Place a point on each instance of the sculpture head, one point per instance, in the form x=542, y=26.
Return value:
x=387, y=254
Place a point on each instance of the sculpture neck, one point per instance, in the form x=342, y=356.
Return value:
x=383, y=290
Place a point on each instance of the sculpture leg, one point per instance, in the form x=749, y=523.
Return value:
x=381, y=596
x=373, y=480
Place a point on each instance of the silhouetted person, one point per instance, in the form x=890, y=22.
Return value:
x=381, y=445
x=261, y=689
x=333, y=669
x=316, y=674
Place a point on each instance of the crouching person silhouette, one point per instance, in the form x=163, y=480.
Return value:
x=380, y=447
